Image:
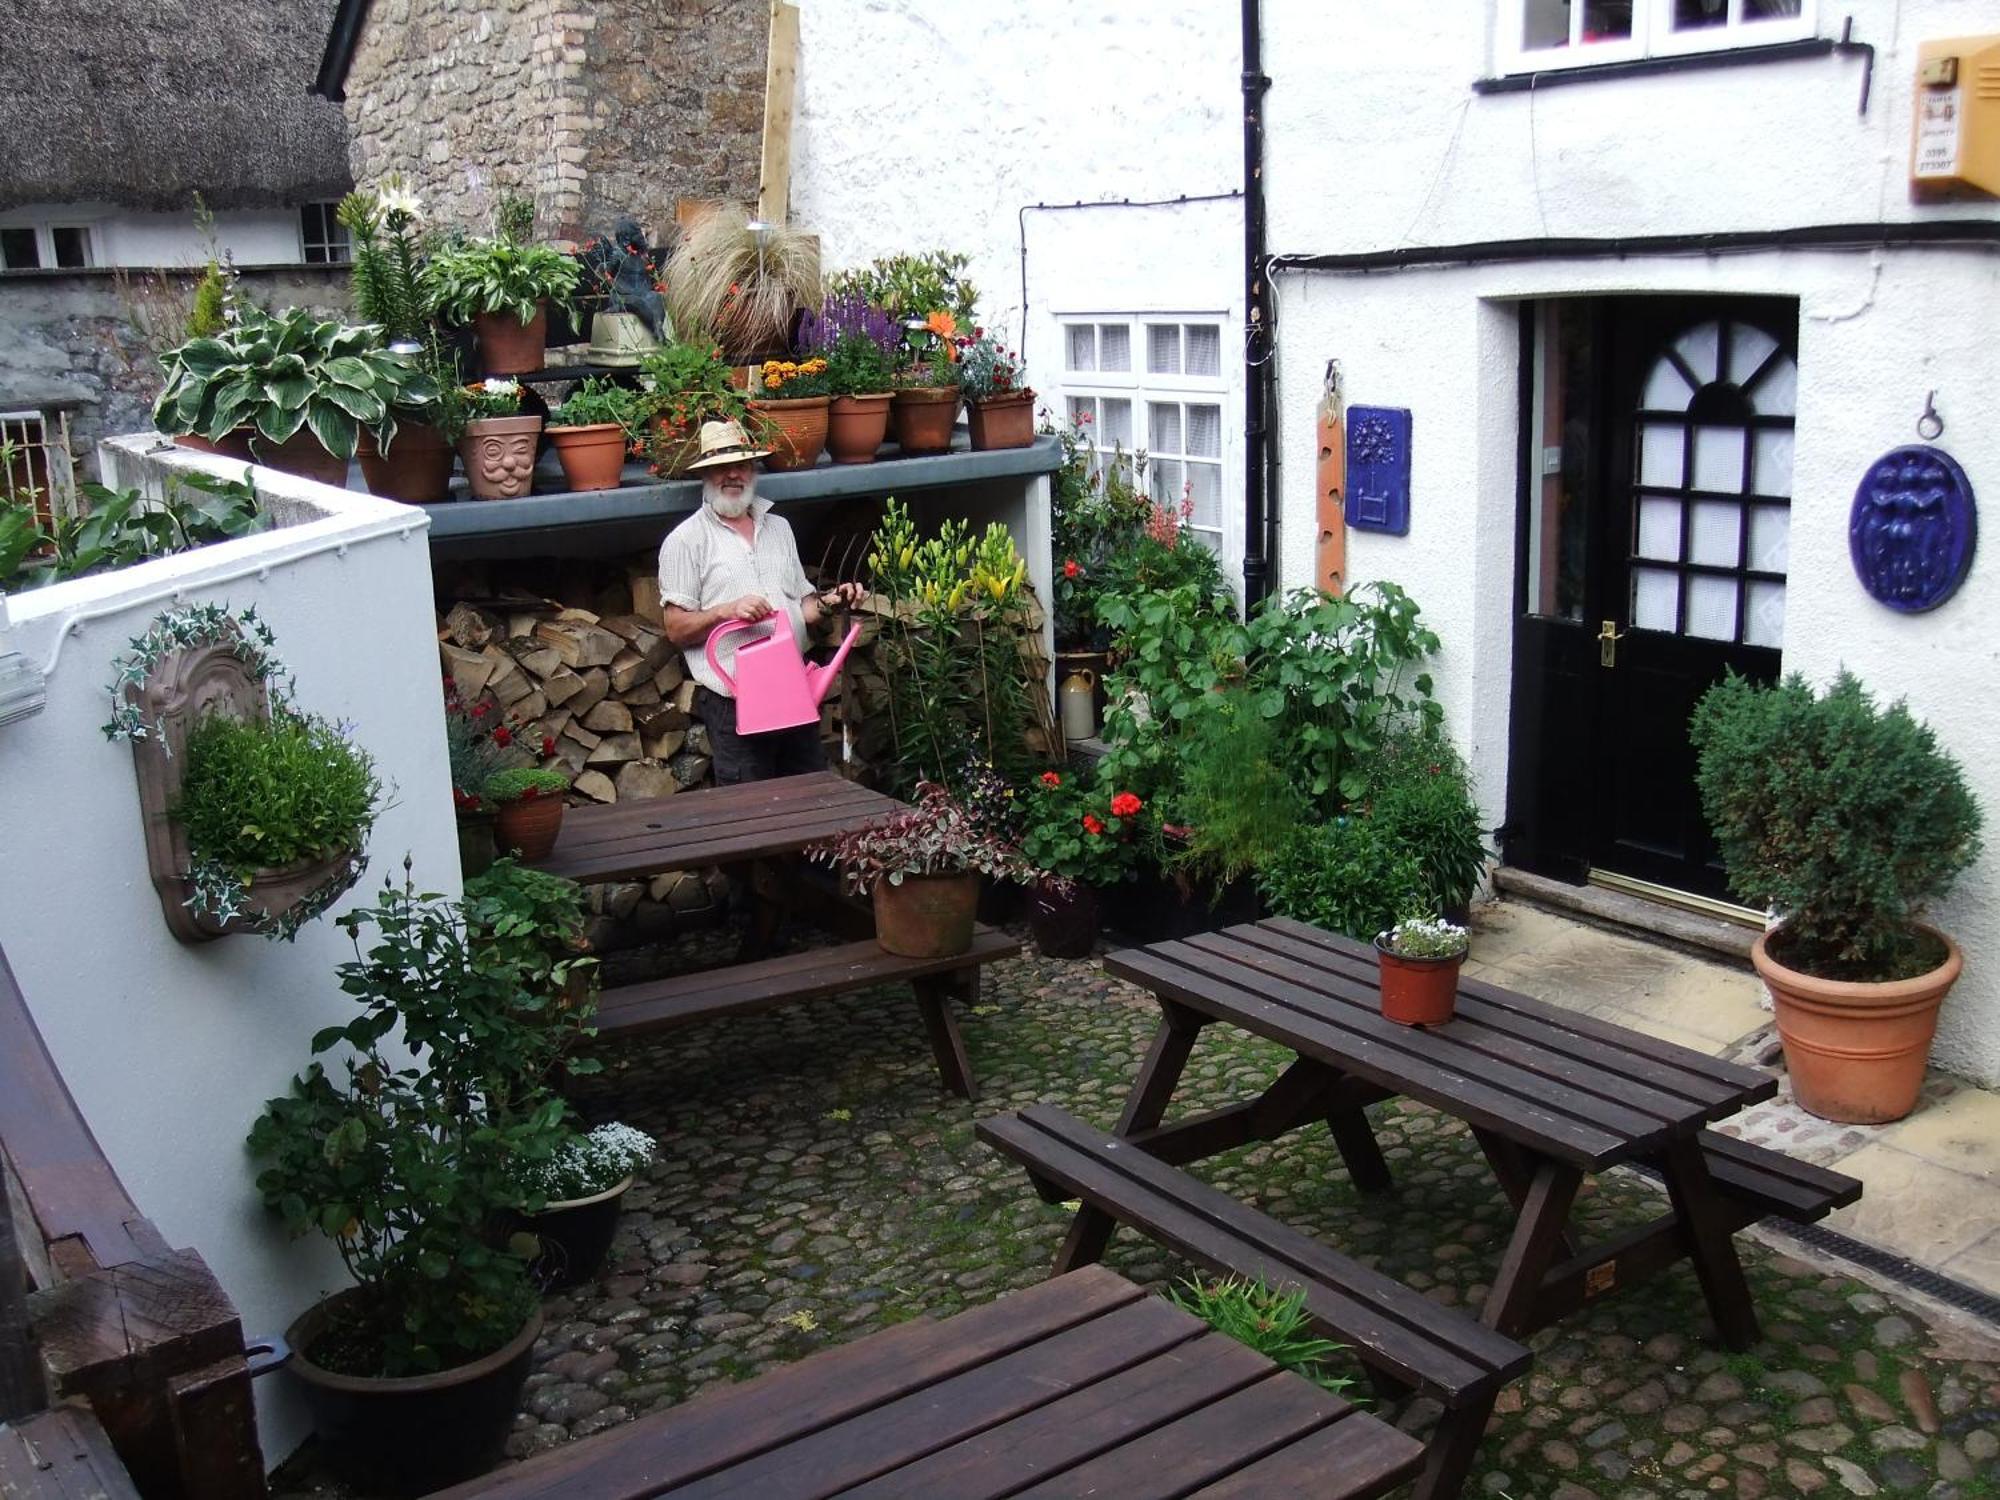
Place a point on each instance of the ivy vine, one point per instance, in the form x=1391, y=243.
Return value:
x=188, y=628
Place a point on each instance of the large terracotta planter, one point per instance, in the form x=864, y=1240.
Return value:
x=300, y=454
x=415, y=1433
x=230, y=445
x=923, y=417
x=1856, y=1052
x=1002, y=421
x=286, y=895
x=593, y=457
x=1417, y=991
x=528, y=826
x=1063, y=916
x=415, y=470
x=856, y=426
x=795, y=431
x=507, y=346
x=926, y=916
x=499, y=456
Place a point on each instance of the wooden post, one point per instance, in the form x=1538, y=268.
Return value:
x=1330, y=553
x=781, y=73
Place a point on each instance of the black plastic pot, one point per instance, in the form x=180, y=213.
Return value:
x=415, y=1433
x=1064, y=918
x=1154, y=908
x=575, y=1236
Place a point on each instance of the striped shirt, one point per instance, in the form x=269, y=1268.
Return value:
x=704, y=562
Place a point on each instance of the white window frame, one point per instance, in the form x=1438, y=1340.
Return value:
x=1142, y=388
x=345, y=241
x=1653, y=35
x=45, y=243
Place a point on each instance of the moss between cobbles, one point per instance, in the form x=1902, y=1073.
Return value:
x=811, y=1163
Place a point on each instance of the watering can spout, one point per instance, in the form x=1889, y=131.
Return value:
x=821, y=679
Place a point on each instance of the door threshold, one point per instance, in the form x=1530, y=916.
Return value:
x=1703, y=934
x=1707, y=906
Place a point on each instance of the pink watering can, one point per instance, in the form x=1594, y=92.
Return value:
x=774, y=686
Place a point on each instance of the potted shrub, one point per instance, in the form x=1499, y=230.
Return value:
x=1080, y=839
x=498, y=445
x=503, y=289
x=861, y=345
x=925, y=408
x=1848, y=821
x=413, y=1374
x=742, y=283
x=921, y=869
x=1419, y=959
x=912, y=286
x=300, y=388
x=581, y=1187
x=792, y=410
x=591, y=431
x=1000, y=407
x=527, y=804
x=689, y=385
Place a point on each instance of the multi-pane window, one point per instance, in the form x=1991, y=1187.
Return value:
x=322, y=237
x=1536, y=34
x=1154, y=388
x=29, y=247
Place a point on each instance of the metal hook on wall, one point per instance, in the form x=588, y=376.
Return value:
x=1930, y=426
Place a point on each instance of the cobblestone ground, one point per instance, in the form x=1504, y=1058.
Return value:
x=814, y=1185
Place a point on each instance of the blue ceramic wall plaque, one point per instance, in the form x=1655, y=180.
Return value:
x=1912, y=529
x=1378, y=469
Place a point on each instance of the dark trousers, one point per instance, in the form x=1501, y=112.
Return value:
x=755, y=757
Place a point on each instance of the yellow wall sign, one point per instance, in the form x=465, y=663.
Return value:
x=1955, y=136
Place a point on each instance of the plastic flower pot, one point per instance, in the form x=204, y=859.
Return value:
x=923, y=417
x=1063, y=915
x=528, y=826
x=592, y=457
x=856, y=426
x=1417, y=991
x=926, y=916
x=575, y=1236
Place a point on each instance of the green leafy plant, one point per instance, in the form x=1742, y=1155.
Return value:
x=524, y=784
x=514, y=218
x=388, y=261
x=594, y=401
x=1427, y=937
x=587, y=1165
x=1347, y=875
x=856, y=366
x=1274, y=1323
x=259, y=795
x=478, y=743
x=912, y=286
x=206, y=314
x=496, y=276
x=1099, y=524
x=1845, y=817
x=117, y=527
x=1233, y=790
x=743, y=287
x=276, y=375
x=531, y=922
x=1078, y=830
x=935, y=837
x=1420, y=792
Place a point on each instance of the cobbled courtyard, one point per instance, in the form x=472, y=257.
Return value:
x=814, y=1184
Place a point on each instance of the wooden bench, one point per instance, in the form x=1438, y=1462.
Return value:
x=743, y=989
x=1760, y=1183
x=61, y=1455
x=1406, y=1341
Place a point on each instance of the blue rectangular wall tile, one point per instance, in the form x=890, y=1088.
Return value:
x=1378, y=469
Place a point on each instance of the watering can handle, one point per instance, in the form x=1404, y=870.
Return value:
x=709, y=650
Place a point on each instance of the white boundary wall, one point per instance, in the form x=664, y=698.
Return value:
x=169, y=1049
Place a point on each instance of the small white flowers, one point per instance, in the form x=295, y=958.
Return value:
x=500, y=387
x=1428, y=937
x=590, y=1164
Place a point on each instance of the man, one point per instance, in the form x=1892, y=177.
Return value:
x=733, y=560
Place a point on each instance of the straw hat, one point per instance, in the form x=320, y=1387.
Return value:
x=724, y=443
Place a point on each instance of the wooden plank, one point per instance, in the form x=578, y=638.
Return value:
x=1088, y=1422
x=1708, y=1232
x=780, y=833
x=61, y=1455
x=1352, y=1460
x=1385, y=1062
x=1538, y=1233
x=943, y=1412
x=1784, y=1185
x=21, y=1388
x=646, y=1458
x=781, y=71
x=585, y=829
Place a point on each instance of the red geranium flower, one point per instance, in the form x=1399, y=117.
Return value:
x=503, y=736
x=1125, y=805
x=1091, y=824
x=548, y=744
x=1049, y=778
x=1072, y=568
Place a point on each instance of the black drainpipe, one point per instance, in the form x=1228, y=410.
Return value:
x=1260, y=519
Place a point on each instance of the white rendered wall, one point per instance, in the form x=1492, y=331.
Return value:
x=120, y=237
x=171, y=1050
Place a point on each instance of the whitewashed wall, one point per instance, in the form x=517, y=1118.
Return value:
x=121, y=237
x=171, y=1050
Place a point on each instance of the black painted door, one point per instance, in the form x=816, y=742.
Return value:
x=1657, y=480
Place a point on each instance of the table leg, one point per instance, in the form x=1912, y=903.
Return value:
x=1355, y=1138
x=1510, y=1305
x=1153, y=1089
x=1709, y=1244
x=1512, y=1169
x=934, y=997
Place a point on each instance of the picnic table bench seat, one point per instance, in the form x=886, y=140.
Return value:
x=1405, y=1340
x=1764, y=1184
x=744, y=989
x=61, y=1454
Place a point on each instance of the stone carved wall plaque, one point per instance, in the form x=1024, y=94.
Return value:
x=1911, y=532
x=1378, y=469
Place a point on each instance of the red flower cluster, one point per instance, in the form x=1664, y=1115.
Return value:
x=1125, y=805
x=503, y=736
x=1049, y=778
x=1092, y=824
x=1072, y=568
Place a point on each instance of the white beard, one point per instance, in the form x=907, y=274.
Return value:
x=729, y=507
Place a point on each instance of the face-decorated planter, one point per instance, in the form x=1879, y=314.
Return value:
x=499, y=456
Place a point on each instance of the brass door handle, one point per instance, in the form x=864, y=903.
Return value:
x=1608, y=637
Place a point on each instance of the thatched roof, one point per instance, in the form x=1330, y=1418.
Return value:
x=147, y=102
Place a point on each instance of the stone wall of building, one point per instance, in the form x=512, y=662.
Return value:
x=86, y=342
x=591, y=110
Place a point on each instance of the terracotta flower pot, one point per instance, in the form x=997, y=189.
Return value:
x=414, y=1433
x=507, y=346
x=415, y=470
x=529, y=826
x=1063, y=916
x=856, y=426
x=923, y=417
x=1002, y=421
x=1856, y=1052
x=795, y=431
x=231, y=445
x=499, y=456
x=593, y=457
x=1417, y=991
x=926, y=916
x=300, y=454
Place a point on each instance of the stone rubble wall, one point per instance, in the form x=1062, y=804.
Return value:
x=592, y=110
x=77, y=341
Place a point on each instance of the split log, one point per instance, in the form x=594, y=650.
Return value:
x=665, y=745
x=562, y=685
x=684, y=696
x=609, y=716
x=579, y=644
x=614, y=749
x=473, y=628
x=582, y=736
x=596, y=685
x=596, y=786
x=542, y=660
x=468, y=670
x=578, y=616
x=641, y=779
x=645, y=695
x=628, y=669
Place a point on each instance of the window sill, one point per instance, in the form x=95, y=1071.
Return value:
x=1681, y=62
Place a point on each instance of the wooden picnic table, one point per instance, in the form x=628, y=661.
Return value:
x=1550, y=1095
x=1084, y=1385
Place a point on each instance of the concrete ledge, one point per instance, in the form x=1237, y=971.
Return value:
x=1710, y=937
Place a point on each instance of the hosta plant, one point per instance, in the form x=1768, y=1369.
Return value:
x=276, y=375
x=496, y=276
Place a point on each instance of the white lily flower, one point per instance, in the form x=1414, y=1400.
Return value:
x=396, y=199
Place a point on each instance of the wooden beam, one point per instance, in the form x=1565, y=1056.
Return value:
x=21, y=1389
x=781, y=74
